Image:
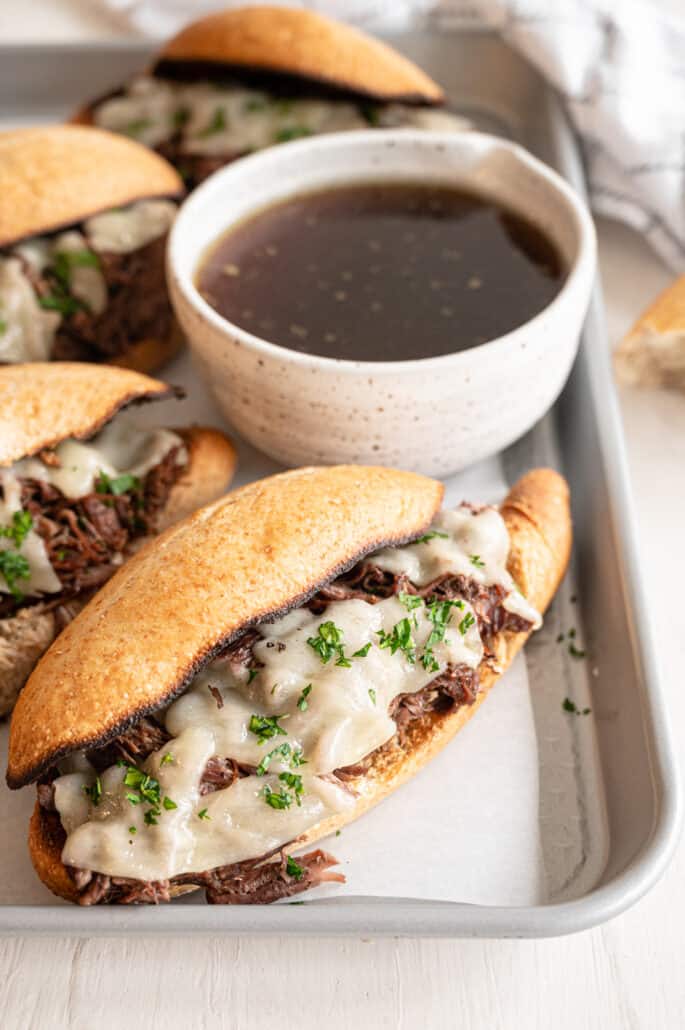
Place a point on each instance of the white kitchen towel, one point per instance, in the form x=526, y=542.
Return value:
x=620, y=65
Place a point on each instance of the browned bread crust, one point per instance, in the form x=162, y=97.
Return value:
x=150, y=354
x=300, y=43
x=26, y=636
x=255, y=553
x=653, y=352
x=538, y=518
x=42, y=403
x=53, y=176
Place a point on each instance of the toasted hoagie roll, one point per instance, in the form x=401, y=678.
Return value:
x=81, y=486
x=243, y=79
x=269, y=669
x=84, y=217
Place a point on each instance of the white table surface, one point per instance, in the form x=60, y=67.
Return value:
x=626, y=974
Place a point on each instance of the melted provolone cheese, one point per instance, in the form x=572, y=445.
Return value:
x=42, y=579
x=321, y=713
x=121, y=448
x=86, y=282
x=235, y=823
x=343, y=722
x=461, y=542
x=130, y=228
x=26, y=330
x=224, y=120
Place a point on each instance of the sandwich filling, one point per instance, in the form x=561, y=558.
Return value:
x=281, y=731
x=68, y=515
x=202, y=126
x=90, y=292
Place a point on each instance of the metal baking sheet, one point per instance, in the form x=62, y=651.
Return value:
x=610, y=802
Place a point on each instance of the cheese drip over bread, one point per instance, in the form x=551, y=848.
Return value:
x=313, y=697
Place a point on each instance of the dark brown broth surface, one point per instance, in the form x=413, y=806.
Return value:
x=381, y=272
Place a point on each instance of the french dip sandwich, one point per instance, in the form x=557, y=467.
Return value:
x=245, y=79
x=268, y=670
x=81, y=487
x=84, y=216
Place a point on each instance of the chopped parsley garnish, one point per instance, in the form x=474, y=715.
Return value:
x=410, y=601
x=431, y=535
x=476, y=560
x=265, y=727
x=466, y=623
x=94, y=792
x=294, y=781
x=180, y=117
x=560, y=638
x=292, y=132
x=279, y=800
x=439, y=613
x=21, y=526
x=329, y=642
x=203, y=814
x=61, y=302
x=3, y=326
x=13, y=567
x=145, y=789
x=256, y=104
x=116, y=486
x=575, y=652
x=363, y=651
x=372, y=695
x=371, y=114
x=293, y=869
x=167, y=759
x=137, y=126
x=570, y=706
x=132, y=830
x=251, y=675
x=399, y=639
x=217, y=123
x=66, y=260
x=293, y=755
x=302, y=702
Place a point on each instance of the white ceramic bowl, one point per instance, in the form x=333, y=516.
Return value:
x=434, y=415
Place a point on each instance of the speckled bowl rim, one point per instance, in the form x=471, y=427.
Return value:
x=251, y=165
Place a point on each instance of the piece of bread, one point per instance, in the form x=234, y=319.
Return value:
x=301, y=44
x=537, y=516
x=58, y=175
x=653, y=352
x=53, y=177
x=42, y=404
x=290, y=46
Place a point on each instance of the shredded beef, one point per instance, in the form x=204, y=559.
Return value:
x=46, y=796
x=133, y=746
x=370, y=583
x=262, y=884
x=137, y=308
x=221, y=772
x=193, y=168
x=257, y=881
x=85, y=538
